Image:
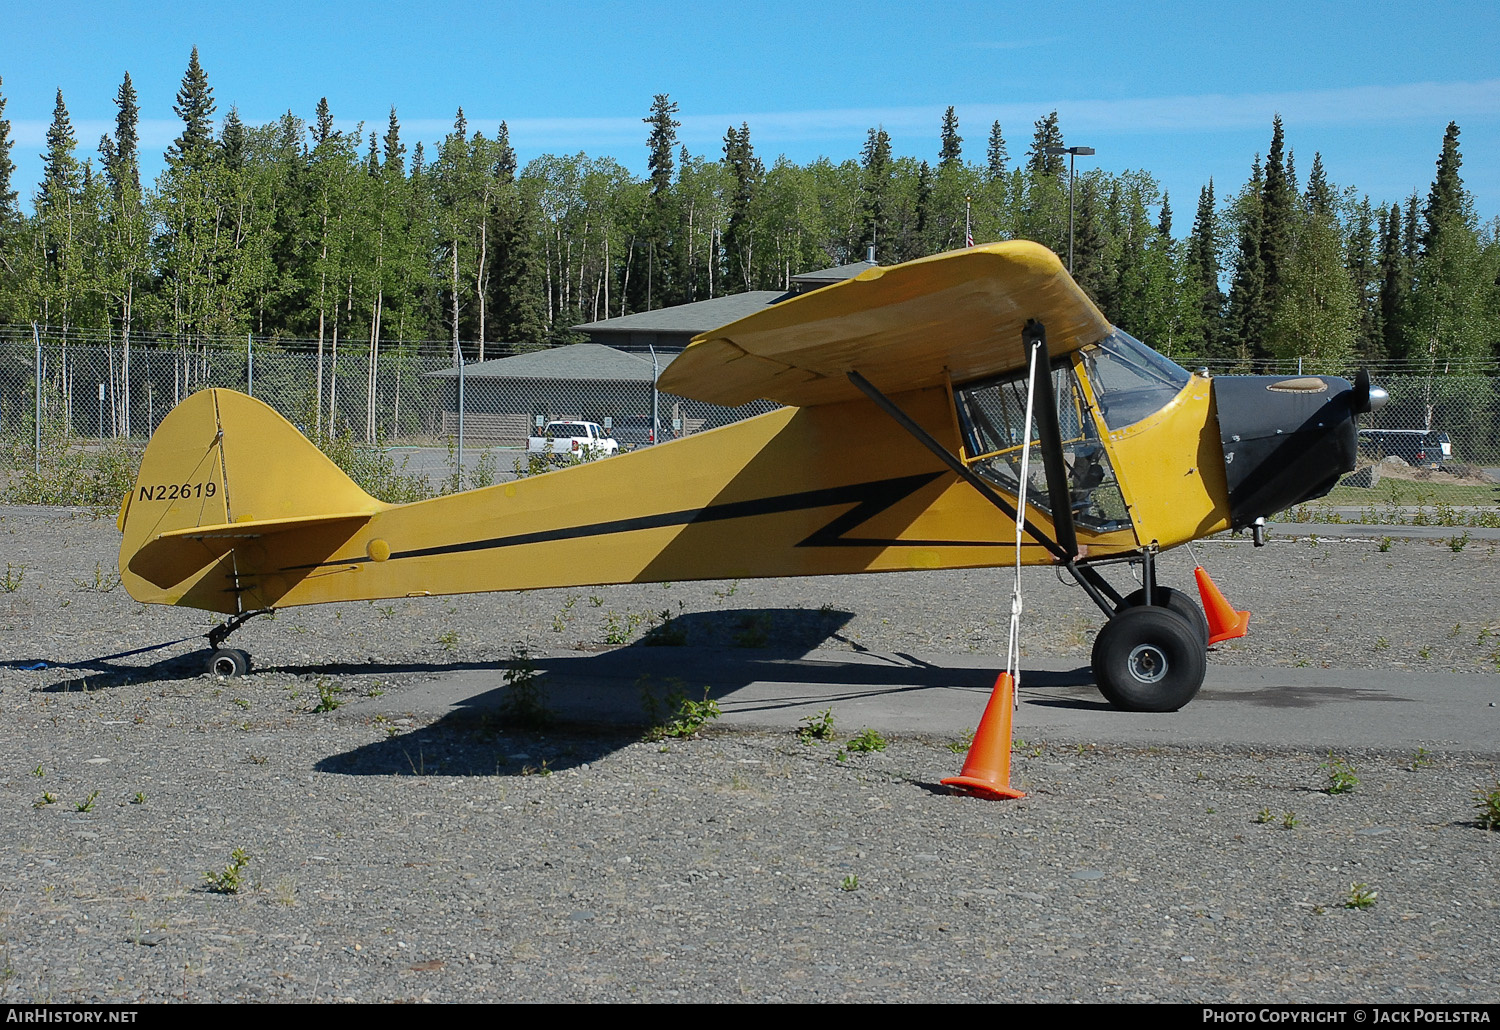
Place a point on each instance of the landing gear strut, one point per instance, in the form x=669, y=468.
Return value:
x=228, y=662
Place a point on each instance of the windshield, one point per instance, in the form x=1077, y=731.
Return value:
x=1130, y=380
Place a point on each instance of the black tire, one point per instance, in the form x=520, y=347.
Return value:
x=1148, y=659
x=1179, y=602
x=229, y=662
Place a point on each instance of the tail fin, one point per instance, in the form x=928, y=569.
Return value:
x=222, y=471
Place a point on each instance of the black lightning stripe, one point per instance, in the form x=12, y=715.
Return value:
x=869, y=499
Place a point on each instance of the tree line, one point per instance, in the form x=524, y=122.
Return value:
x=296, y=230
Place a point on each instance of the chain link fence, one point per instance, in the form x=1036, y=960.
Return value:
x=76, y=410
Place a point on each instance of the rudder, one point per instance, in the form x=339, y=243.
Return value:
x=221, y=459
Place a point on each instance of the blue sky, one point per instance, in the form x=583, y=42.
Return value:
x=1185, y=90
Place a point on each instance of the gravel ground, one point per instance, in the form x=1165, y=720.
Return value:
x=396, y=858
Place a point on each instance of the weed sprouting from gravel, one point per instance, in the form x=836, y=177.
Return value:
x=850, y=883
x=87, y=804
x=328, y=696
x=668, y=632
x=617, y=631
x=1289, y=821
x=523, y=704
x=962, y=745
x=1360, y=896
x=1487, y=804
x=679, y=717
x=865, y=741
x=14, y=575
x=231, y=880
x=816, y=728
x=1421, y=760
x=1263, y=816
x=103, y=582
x=47, y=798
x=1341, y=778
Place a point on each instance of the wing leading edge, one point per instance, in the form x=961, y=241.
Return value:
x=903, y=327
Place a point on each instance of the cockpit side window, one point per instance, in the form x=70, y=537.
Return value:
x=1130, y=380
x=993, y=419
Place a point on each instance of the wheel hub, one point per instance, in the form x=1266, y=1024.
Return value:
x=1147, y=663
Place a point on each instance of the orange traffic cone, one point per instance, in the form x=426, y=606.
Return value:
x=1224, y=623
x=987, y=768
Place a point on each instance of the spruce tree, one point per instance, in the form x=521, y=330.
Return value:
x=11, y=303
x=1315, y=314
x=124, y=168
x=61, y=175
x=996, y=154
x=233, y=141
x=655, y=286
x=1091, y=265
x=875, y=159
x=195, y=106
x=1047, y=135
x=59, y=217
x=1445, y=201
x=1202, y=271
x=1276, y=209
x=1319, y=196
x=8, y=210
x=747, y=172
x=951, y=153
x=394, y=155
x=660, y=143
x=321, y=129
x=1363, y=267
x=1453, y=309
x=1395, y=286
x=1247, y=315
x=1164, y=223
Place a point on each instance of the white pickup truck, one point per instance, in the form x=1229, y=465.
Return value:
x=564, y=440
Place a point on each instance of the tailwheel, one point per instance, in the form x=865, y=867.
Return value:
x=229, y=662
x=1148, y=658
x=1177, y=601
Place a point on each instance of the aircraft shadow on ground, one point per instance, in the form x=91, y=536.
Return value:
x=600, y=698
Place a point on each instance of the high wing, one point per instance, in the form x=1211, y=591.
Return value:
x=952, y=317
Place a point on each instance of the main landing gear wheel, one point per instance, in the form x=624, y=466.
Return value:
x=1148, y=658
x=1177, y=601
x=229, y=662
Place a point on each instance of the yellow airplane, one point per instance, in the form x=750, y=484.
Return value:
x=898, y=448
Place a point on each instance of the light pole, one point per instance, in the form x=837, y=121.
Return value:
x=1072, y=152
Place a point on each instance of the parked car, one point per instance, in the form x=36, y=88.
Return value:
x=634, y=431
x=1421, y=448
x=563, y=440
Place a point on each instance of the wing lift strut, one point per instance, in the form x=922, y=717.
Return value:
x=1064, y=545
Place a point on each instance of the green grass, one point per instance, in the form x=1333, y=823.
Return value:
x=1413, y=492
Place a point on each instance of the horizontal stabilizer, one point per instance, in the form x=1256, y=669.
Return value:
x=260, y=528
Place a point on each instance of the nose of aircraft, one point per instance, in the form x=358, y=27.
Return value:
x=1287, y=439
